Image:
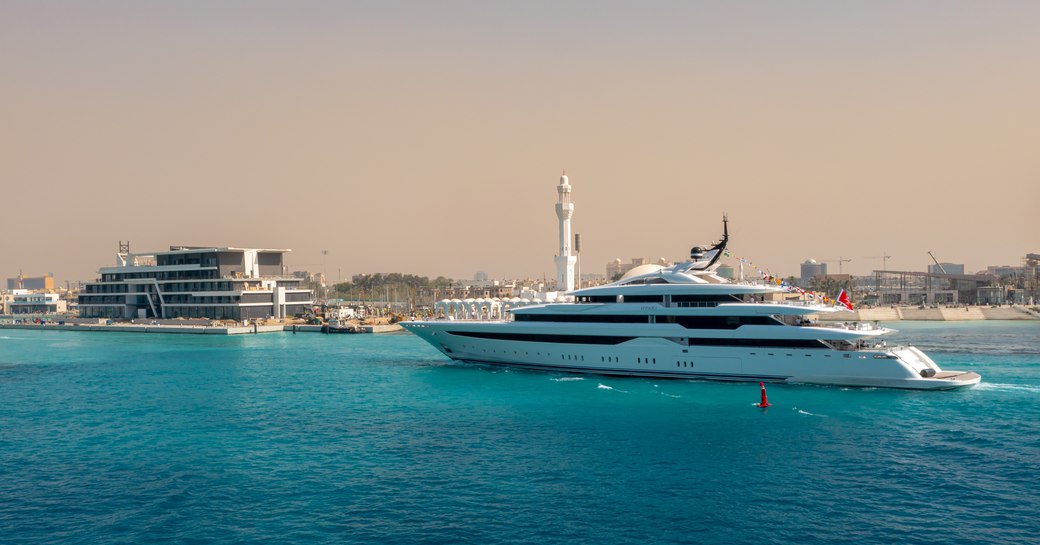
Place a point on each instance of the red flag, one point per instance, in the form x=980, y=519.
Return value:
x=843, y=299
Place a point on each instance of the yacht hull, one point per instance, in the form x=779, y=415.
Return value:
x=663, y=357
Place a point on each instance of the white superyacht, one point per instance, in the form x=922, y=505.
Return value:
x=687, y=322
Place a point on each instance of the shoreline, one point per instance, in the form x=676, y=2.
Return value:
x=942, y=314
x=888, y=314
x=193, y=329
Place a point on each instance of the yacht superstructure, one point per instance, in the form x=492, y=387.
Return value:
x=686, y=322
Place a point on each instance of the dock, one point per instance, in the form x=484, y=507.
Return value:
x=377, y=328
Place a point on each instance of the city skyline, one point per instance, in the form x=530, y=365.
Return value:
x=429, y=139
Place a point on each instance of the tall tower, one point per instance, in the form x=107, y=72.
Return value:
x=564, y=260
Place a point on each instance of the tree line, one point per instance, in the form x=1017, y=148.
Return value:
x=399, y=286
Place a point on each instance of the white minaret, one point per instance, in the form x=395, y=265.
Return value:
x=565, y=261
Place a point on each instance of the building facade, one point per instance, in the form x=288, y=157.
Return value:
x=196, y=282
x=23, y=302
x=45, y=282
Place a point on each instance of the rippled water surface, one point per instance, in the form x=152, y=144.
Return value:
x=134, y=438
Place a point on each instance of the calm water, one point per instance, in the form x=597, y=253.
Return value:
x=130, y=438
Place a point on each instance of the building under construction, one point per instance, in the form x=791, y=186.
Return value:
x=925, y=288
x=1017, y=285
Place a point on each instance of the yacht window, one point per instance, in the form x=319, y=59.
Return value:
x=592, y=318
x=717, y=298
x=643, y=281
x=597, y=299
x=716, y=322
x=770, y=343
x=644, y=299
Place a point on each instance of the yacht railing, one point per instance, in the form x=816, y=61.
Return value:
x=861, y=345
x=788, y=303
x=850, y=326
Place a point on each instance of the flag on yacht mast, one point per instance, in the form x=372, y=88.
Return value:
x=843, y=300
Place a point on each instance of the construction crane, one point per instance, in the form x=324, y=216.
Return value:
x=937, y=264
x=840, y=261
x=884, y=260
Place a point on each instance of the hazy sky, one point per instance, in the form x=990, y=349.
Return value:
x=428, y=137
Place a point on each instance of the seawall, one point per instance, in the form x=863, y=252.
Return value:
x=952, y=314
x=193, y=329
x=131, y=328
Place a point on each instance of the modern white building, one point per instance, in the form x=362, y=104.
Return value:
x=27, y=302
x=196, y=282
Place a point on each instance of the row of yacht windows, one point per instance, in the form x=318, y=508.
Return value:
x=707, y=300
x=689, y=322
x=544, y=338
x=613, y=339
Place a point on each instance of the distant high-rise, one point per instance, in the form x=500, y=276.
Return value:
x=811, y=269
x=45, y=282
x=565, y=260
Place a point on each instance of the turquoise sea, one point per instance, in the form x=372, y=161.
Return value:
x=280, y=438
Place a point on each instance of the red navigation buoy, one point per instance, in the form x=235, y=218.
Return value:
x=765, y=401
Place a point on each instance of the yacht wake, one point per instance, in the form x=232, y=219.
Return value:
x=1007, y=387
x=664, y=394
x=602, y=386
x=807, y=413
x=566, y=379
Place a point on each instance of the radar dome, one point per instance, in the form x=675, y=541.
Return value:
x=641, y=270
